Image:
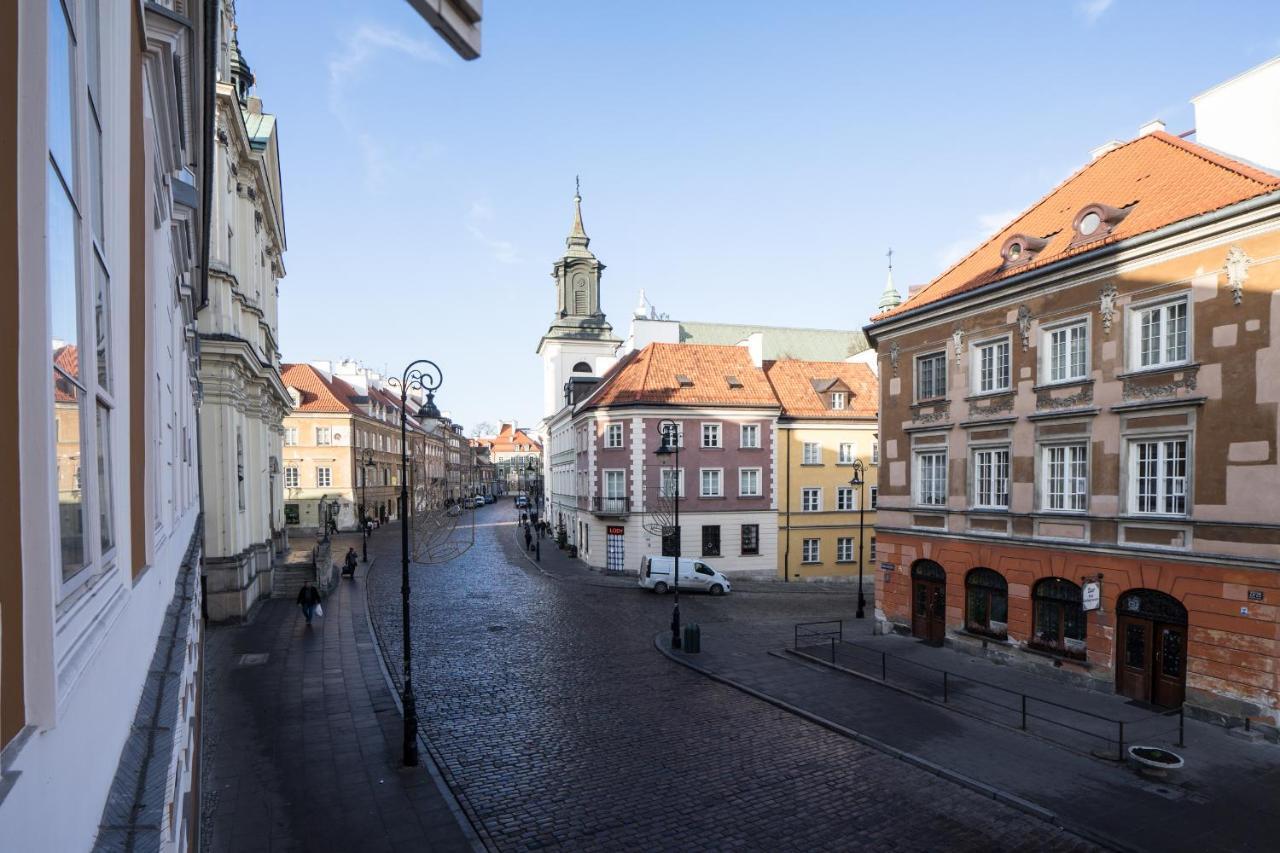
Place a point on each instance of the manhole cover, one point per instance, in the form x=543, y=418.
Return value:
x=256, y=659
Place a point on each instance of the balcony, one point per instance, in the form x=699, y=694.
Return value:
x=610, y=506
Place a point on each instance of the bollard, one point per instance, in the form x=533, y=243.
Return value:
x=539, y=554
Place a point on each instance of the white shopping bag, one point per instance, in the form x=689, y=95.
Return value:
x=319, y=610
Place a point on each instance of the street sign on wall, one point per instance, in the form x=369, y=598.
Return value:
x=1091, y=595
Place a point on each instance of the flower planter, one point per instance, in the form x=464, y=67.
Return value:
x=1154, y=762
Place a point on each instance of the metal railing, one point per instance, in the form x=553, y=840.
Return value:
x=610, y=506
x=824, y=641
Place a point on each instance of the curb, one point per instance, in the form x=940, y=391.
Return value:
x=477, y=837
x=533, y=562
x=997, y=794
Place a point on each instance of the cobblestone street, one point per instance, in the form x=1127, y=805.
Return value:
x=558, y=724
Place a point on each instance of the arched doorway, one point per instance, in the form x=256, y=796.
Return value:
x=928, y=601
x=1151, y=647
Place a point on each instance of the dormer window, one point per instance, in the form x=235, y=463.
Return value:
x=1096, y=221
x=684, y=381
x=1021, y=248
x=837, y=400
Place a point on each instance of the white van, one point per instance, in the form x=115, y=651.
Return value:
x=695, y=575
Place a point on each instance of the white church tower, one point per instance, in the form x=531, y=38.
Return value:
x=580, y=341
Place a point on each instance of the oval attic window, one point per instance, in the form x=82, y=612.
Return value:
x=1089, y=223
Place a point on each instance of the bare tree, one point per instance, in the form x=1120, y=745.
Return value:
x=484, y=429
x=439, y=531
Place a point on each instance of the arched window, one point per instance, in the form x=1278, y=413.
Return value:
x=986, y=603
x=582, y=367
x=928, y=570
x=1059, y=621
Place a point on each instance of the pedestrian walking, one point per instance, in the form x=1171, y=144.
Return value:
x=350, y=562
x=528, y=539
x=524, y=518
x=309, y=600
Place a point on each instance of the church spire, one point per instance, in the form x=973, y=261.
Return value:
x=890, y=298
x=577, y=238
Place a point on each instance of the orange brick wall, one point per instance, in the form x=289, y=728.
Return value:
x=1233, y=659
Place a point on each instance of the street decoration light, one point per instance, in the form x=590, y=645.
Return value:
x=365, y=464
x=859, y=482
x=669, y=431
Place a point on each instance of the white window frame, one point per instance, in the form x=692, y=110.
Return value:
x=844, y=458
x=608, y=477
x=941, y=356
x=977, y=354
x=759, y=489
x=991, y=466
x=805, y=556
x=613, y=436
x=808, y=492
x=291, y=482
x=844, y=549
x=875, y=451
x=1135, y=314
x=712, y=430
x=669, y=476
x=290, y=436
x=327, y=433
x=1074, y=494
x=814, y=457
x=845, y=500
x=742, y=436
x=1047, y=361
x=838, y=400
x=679, y=425
x=926, y=497
x=702, y=482
x=1166, y=488
x=874, y=492
x=327, y=477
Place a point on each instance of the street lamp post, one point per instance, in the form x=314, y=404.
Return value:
x=670, y=433
x=425, y=376
x=860, y=484
x=366, y=464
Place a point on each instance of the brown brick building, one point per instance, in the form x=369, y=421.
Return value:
x=1087, y=403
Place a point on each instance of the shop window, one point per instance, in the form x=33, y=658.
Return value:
x=986, y=603
x=1059, y=620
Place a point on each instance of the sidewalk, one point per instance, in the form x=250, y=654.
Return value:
x=302, y=738
x=1225, y=799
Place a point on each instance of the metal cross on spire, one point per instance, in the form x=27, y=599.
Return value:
x=889, y=254
x=577, y=186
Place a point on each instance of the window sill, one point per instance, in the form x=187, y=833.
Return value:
x=988, y=510
x=750, y=497
x=1181, y=518
x=812, y=464
x=1061, y=383
x=705, y=447
x=751, y=448
x=711, y=497
x=1158, y=368
x=1059, y=657
x=803, y=563
x=986, y=395
x=930, y=401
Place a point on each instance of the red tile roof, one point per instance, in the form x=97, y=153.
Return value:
x=1159, y=178
x=512, y=439
x=793, y=382
x=319, y=393
x=67, y=359
x=653, y=376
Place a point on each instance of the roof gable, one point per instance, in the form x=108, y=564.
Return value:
x=684, y=375
x=801, y=387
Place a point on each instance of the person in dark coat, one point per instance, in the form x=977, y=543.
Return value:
x=308, y=598
x=350, y=562
x=528, y=538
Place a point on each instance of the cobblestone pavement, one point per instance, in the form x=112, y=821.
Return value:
x=559, y=725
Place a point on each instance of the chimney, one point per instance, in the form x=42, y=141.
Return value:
x=1105, y=148
x=1151, y=127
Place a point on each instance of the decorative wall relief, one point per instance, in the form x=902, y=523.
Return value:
x=957, y=338
x=941, y=413
x=1046, y=400
x=1237, y=269
x=1134, y=390
x=996, y=406
x=1108, y=306
x=893, y=356
x=1024, y=325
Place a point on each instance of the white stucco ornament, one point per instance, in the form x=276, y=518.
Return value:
x=1024, y=325
x=957, y=338
x=1237, y=269
x=1108, y=306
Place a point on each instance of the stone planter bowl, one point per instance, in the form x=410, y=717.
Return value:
x=1153, y=761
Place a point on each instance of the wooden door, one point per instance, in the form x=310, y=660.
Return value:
x=1134, y=658
x=1169, y=670
x=929, y=610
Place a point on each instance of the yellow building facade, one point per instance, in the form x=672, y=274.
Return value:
x=827, y=424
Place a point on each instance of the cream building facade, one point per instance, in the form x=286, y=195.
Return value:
x=244, y=399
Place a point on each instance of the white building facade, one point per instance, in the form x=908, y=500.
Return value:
x=102, y=122
x=245, y=400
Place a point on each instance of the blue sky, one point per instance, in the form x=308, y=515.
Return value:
x=741, y=161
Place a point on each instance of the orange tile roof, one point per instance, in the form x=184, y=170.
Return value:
x=793, y=382
x=319, y=393
x=508, y=437
x=649, y=376
x=1159, y=178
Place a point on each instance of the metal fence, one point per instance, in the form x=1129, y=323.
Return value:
x=1062, y=723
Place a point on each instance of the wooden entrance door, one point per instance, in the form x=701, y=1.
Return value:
x=929, y=610
x=1152, y=663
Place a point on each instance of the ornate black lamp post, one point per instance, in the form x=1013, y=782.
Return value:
x=366, y=462
x=670, y=433
x=860, y=484
x=425, y=376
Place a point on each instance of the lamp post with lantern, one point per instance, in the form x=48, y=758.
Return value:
x=366, y=462
x=859, y=482
x=670, y=433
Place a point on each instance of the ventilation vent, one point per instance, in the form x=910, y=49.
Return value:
x=685, y=381
x=733, y=381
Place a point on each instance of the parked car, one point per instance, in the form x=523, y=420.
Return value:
x=695, y=575
x=455, y=509
x=489, y=499
x=477, y=501
x=521, y=502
